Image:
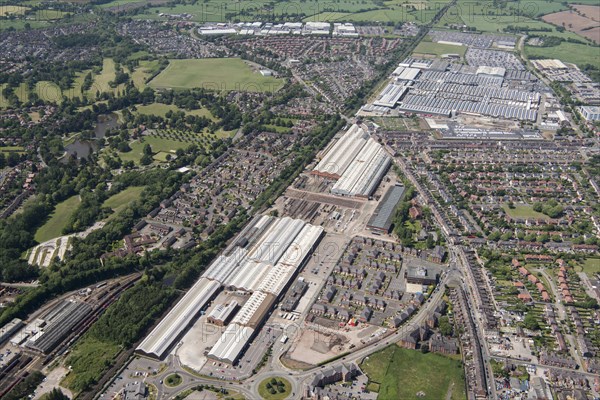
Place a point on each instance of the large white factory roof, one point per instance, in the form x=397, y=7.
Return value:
x=302, y=246
x=231, y=343
x=276, y=239
x=278, y=246
x=249, y=275
x=224, y=266
x=339, y=157
x=161, y=337
x=365, y=172
x=390, y=95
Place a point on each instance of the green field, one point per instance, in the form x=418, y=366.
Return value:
x=6, y=10
x=221, y=74
x=161, y=110
x=591, y=266
x=122, y=199
x=402, y=373
x=58, y=220
x=569, y=52
x=12, y=149
x=523, y=211
x=437, y=49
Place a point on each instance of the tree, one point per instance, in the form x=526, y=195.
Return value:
x=530, y=322
x=445, y=326
x=148, y=149
x=55, y=394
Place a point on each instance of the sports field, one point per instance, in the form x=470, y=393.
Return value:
x=58, y=220
x=437, y=49
x=409, y=374
x=221, y=74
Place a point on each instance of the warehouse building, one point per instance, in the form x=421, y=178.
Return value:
x=357, y=161
x=365, y=172
x=59, y=323
x=590, y=113
x=339, y=157
x=222, y=313
x=179, y=318
x=231, y=344
x=9, y=329
x=382, y=218
x=262, y=260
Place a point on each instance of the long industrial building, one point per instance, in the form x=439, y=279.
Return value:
x=179, y=318
x=262, y=260
x=357, y=161
x=57, y=324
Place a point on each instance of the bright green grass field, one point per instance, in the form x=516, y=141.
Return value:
x=437, y=49
x=569, y=52
x=221, y=74
x=402, y=373
x=122, y=199
x=523, y=211
x=58, y=220
x=591, y=266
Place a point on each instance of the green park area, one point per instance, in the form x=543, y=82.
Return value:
x=523, y=211
x=122, y=199
x=274, y=388
x=398, y=373
x=221, y=74
x=58, y=220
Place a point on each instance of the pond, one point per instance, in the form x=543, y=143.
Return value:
x=83, y=148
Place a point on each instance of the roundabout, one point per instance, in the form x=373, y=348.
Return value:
x=274, y=388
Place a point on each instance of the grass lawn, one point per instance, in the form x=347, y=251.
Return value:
x=58, y=220
x=591, y=266
x=523, y=211
x=173, y=380
x=161, y=110
x=265, y=393
x=221, y=74
x=402, y=373
x=12, y=149
x=437, y=49
x=122, y=199
x=575, y=53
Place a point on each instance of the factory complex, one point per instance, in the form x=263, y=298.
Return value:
x=441, y=88
x=356, y=161
x=261, y=262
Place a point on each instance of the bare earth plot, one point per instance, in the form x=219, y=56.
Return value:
x=574, y=22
